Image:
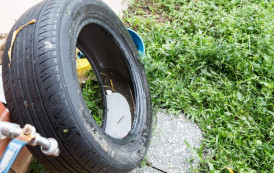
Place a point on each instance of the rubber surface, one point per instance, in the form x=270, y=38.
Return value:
x=41, y=87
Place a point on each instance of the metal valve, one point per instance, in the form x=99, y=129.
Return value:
x=21, y=137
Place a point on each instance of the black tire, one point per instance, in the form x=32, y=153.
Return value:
x=42, y=89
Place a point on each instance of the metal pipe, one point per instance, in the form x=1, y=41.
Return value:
x=10, y=130
x=39, y=140
x=49, y=146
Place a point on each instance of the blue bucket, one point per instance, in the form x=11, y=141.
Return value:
x=138, y=41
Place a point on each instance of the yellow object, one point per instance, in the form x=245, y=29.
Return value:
x=83, y=66
x=230, y=170
x=111, y=84
x=14, y=36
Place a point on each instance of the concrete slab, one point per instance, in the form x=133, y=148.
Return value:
x=168, y=151
x=118, y=6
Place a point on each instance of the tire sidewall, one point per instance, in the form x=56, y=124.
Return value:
x=126, y=152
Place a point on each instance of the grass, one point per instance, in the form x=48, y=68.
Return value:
x=213, y=61
x=92, y=96
x=37, y=167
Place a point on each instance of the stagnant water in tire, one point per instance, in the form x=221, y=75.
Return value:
x=117, y=119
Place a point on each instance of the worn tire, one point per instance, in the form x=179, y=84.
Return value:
x=41, y=87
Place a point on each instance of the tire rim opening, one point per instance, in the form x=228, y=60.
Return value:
x=105, y=80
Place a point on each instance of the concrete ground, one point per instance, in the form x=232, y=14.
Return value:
x=168, y=151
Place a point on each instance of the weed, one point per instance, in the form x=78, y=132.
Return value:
x=213, y=60
x=145, y=162
x=37, y=167
x=92, y=96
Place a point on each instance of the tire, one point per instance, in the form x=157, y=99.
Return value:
x=41, y=84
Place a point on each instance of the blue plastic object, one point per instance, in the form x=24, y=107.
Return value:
x=138, y=41
x=10, y=155
x=80, y=54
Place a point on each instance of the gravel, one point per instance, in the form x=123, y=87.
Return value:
x=168, y=150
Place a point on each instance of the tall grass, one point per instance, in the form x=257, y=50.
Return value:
x=213, y=60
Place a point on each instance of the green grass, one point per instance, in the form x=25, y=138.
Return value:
x=37, y=167
x=92, y=96
x=213, y=60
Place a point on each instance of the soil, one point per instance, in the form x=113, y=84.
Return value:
x=3, y=38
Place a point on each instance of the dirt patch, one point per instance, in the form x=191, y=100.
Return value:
x=149, y=12
x=3, y=38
